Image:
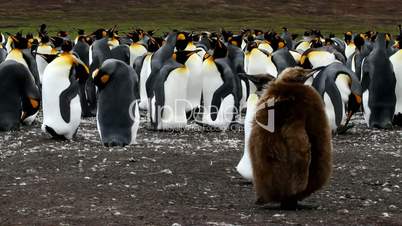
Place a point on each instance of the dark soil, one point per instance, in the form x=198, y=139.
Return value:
x=187, y=178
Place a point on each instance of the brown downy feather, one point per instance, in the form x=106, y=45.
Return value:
x=294, y=160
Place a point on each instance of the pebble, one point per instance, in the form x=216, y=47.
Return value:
x=386, y=190
x=345, y=211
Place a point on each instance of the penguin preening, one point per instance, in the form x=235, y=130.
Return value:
x=290, y=142
x=60, y=94
x=341, y=91
x=20, y=53
x=117, y=121
x=20, y=97
x=378, y=85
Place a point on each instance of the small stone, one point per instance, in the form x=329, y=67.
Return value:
x=393, y=207
x=386, y=190
x=278, y=215
x=344, y=211
x=385, y=215
x=176, y=224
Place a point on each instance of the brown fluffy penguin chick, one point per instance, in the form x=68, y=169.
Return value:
x=292, y=162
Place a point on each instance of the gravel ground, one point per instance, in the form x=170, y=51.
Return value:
x=185, y=178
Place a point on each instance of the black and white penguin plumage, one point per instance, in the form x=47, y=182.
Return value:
x=341, y=91
x=220, y=90
x=396, y=60
x=60, y=94
x=20, y=53
x=117, y=121
x=157, y=61
x=378, y=85
x=20, y=96
x=170, y=93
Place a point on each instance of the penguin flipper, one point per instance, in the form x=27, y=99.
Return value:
x=65, y=98
x=336, y=99
x=217, y=98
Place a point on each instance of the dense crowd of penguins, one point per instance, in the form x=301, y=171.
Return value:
x=181, y=76
x=305, y=88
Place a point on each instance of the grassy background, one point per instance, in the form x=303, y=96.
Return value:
x=335, y=16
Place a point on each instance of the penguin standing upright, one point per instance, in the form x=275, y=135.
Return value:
x=220, y=90
x=290, y=142
x=244, y=166
x=157, y=61
x=170, y=93
x=117, y=121
x=20, y=97
x=396, y=60
x=60, y=89
x=378, y=85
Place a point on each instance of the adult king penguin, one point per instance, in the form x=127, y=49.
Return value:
x=396, y=60
x=378, y=85
x=117, y=121
x=60, y=88
x=20, y=97
x=290, y=141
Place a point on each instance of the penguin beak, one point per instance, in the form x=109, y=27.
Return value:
x=95, y=73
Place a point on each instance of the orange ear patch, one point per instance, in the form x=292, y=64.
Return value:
x=104, y=79
x=34, y=103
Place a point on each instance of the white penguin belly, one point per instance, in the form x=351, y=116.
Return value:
x=259, y=63
x=136, y=123
x=211, y=82
x=366, y=109
x=174, y=109
x=321, y=58
x=136, y=50
x=349, y=50
x=396, y=61
x=42, y=63
x=244, y=166
x=194, y=85
x=55, y=81
x=330, y=111
x=342, y=83
x=145, y=72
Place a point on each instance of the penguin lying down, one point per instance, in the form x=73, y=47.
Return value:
x=290, y=141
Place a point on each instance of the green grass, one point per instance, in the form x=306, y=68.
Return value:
x=195, y=15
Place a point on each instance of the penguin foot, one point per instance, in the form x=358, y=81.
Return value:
x=345, y=128
x=397, y=120
x=54, y=134
x=114, y=144
x=236, y=126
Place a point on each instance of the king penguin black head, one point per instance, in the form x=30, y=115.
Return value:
x=19, y=41
x=67, y=46
x=182, y=39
